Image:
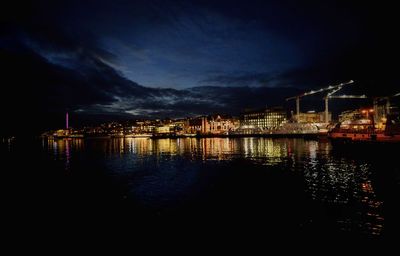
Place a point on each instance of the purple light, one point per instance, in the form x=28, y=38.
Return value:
x=67, y=120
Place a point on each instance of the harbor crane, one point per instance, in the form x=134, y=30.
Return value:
x=331, y=87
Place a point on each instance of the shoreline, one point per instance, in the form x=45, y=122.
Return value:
x=305, y=136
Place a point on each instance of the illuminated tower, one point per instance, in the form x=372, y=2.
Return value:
x=66, y=119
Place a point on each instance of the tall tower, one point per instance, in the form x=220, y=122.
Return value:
x=66, y=119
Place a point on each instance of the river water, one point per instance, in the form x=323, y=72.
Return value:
x=228, y=186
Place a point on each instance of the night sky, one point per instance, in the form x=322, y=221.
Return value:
x=114, y=60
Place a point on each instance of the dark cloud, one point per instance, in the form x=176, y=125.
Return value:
x=242, y=79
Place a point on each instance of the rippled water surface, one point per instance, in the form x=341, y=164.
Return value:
x=284, y=186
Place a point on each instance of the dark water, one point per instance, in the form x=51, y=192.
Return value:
x=241, y=187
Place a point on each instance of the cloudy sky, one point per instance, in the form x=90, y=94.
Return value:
x=102, y=60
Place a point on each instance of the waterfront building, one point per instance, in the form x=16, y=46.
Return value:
x=217, y=124
x=312, y=117
x=146, y=126
x=178, y=126
x=378, y=114
x=163, y=129
x=212, y=124
x=61, y=132
x=350, y=115
x=193, y=125
x=265, y=119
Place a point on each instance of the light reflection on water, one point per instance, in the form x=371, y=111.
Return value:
x=268, y=151
x=329, y=179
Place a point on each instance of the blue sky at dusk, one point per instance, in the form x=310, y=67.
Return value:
x=185, y=46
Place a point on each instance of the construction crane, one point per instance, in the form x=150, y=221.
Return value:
x=340, y=97
x=331, y=87
x=326, y=98
x=374, y=100
x=330, y=96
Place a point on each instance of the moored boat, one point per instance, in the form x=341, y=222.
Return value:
x=363, y=130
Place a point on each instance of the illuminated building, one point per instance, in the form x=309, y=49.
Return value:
x=163, y=129
x=217, y=124
x=312, y=117
x=350, y=115
x=212, y=124
x=269, y=118
x=178, y=126
x=61, y=133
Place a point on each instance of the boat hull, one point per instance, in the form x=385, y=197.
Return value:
x=363, y=137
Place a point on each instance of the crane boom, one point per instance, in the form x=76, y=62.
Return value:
x=331, y=87
x=348, y=96
x=333, y=92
